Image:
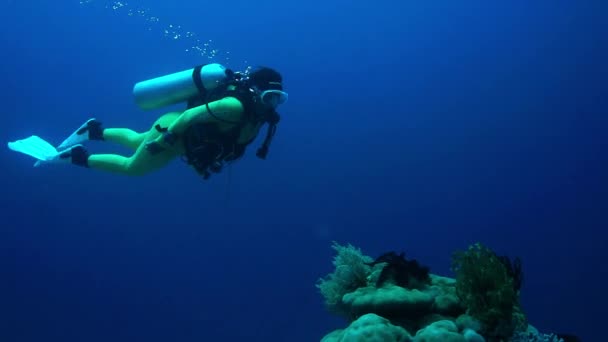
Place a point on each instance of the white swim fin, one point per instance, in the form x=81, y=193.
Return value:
x=36, y=147
x=90, y=130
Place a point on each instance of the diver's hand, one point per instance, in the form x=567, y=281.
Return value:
x=154, y=147
x=161, y=143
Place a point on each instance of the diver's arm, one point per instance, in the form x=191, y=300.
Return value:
x=228, y=109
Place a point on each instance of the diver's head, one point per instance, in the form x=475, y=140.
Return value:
x=268, y=84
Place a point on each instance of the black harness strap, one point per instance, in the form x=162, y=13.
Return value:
x=198, y=81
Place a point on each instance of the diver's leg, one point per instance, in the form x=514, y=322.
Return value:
x=132, y=139
x=139, y=164
x=142, y=161
x=92, y=130
x=124, y=136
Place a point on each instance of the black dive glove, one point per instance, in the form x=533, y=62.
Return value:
x=166, y=140
x=154, y=148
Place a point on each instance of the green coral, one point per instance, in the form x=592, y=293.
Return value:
x=351, y=272
x=486, y=288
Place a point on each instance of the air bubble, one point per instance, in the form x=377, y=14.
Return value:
x=174, y=32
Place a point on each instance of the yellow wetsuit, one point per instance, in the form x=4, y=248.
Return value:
x=228, y=110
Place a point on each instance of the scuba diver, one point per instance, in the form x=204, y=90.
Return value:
x=225, y=112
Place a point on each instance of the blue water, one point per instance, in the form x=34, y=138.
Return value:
x=416, y=126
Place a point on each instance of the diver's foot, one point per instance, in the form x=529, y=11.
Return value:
x=90, y=130
x=77, y=155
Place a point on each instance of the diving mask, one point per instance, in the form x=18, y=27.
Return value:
x=273, y=97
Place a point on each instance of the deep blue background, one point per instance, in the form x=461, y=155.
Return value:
x=412, y=125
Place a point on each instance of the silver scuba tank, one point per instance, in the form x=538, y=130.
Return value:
x=178, y=87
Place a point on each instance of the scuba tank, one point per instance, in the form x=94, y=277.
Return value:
x=180, y=86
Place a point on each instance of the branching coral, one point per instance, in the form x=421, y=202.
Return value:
x=350, y=273
x=488, y=286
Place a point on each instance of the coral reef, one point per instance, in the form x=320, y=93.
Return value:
x=535, y=337
x=395, y=299
x=370, y=328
